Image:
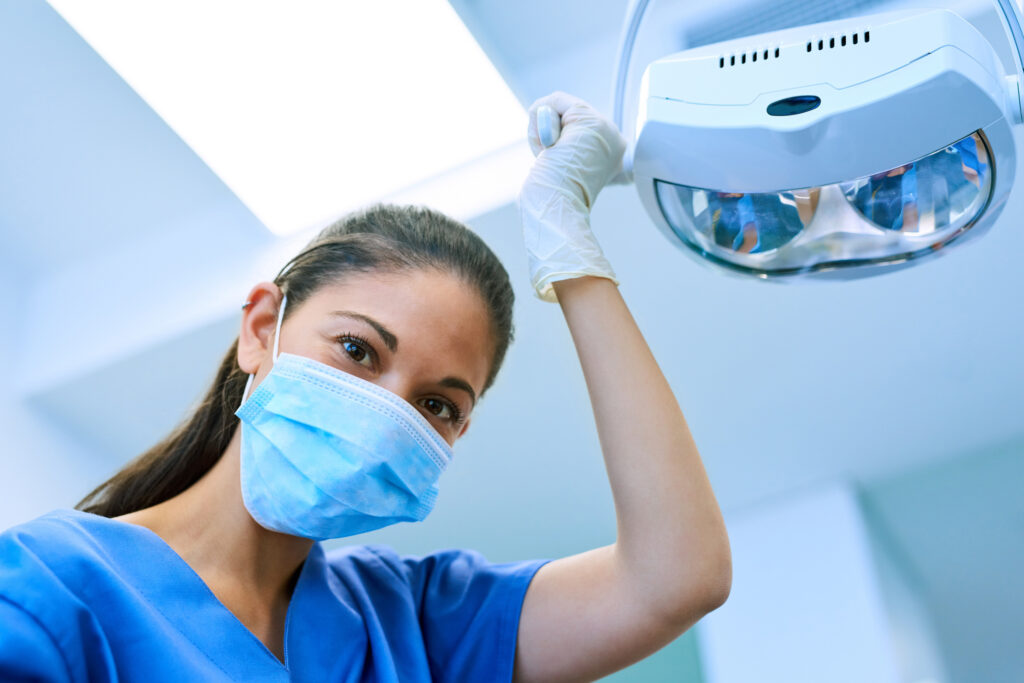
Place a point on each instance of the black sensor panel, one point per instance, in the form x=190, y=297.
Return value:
x=790, y=106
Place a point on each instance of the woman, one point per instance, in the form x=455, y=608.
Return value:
x=353, y=374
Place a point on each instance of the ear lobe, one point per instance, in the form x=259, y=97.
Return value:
x=259, y=320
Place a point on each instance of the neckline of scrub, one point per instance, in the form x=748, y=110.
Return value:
x=315, y=557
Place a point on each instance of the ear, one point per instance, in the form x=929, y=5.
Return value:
x=259, y=319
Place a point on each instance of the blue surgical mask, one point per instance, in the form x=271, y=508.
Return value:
x=326, y=454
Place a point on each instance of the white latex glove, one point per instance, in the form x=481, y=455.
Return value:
x=560, y=190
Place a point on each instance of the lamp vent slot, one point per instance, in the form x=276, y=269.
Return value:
x=840, y=41
x=751, y=56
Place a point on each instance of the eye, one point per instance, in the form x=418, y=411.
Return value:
x=359, y=350
x=446, y=410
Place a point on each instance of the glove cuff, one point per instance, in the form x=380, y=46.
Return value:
x=545, y=291
x=559, y=242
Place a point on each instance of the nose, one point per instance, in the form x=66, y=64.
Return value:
x=397, y=385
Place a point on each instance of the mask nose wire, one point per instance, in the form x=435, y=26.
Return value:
x=277, y=339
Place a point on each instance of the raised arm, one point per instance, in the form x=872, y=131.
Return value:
x=590, y=614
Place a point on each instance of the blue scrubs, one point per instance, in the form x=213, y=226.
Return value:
x=86, y=598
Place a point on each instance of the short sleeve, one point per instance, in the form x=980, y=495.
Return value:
x=27, y=652
x=469, y=612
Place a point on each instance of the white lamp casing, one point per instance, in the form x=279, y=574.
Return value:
x=913, y=83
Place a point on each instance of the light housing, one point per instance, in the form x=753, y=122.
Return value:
x=860, y=142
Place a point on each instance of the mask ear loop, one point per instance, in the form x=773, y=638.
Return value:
x=277, y=330
x=277, y=339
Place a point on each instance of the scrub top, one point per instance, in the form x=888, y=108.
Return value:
x=86, y=598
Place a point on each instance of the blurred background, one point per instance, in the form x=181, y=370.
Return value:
x=864, y=438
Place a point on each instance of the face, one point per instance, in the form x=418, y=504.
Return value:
x=423, y=335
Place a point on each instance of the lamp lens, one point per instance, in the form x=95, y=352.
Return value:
x=904, y=213
x=946, y=188
x=737, y=222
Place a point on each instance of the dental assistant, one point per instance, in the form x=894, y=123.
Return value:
x=335, y=412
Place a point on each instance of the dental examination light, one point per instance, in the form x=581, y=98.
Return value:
x=831, y=147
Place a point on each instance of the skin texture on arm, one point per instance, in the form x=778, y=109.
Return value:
x=588, y=615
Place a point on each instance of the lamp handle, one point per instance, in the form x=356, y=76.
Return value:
x=549, y=128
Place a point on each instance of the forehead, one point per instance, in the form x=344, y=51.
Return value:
x=440, y=321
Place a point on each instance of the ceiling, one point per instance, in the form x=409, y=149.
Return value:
x=572, y=44
x=85, y=163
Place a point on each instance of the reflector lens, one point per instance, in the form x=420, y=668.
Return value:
x=741, y=223
x=903, y=213
x=946, y=188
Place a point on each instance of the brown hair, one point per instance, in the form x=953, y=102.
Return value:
x=381, y=238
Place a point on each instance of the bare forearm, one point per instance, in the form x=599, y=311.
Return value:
x=671, y=536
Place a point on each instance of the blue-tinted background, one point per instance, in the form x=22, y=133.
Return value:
x=865, y=438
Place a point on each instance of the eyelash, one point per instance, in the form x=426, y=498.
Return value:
x=365, y=345
x=368, y=349
x=456, y=413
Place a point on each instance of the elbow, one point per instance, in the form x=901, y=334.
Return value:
x=714, y=581
x=718, y=587
x=701, y=591
x=716, y=574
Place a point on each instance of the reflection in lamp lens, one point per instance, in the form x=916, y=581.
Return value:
x=736, y=222
x=947, y=188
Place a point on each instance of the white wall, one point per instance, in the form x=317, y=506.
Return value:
x=959, y=528
x=42, y=466
x=912, y=633
x=106, y=217
x=805, y=605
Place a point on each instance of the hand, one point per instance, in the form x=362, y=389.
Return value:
x=560, y=190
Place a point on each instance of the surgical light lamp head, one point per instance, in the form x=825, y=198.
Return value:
x=827, y=148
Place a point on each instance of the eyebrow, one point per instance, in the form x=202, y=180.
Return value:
x=456, y=383
x=390, y=340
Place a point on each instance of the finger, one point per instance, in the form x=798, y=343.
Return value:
x=558, y=100
x=532, y=135
x=549, y=126
x=571, y=109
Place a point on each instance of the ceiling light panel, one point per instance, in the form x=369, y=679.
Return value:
x=309, y=109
